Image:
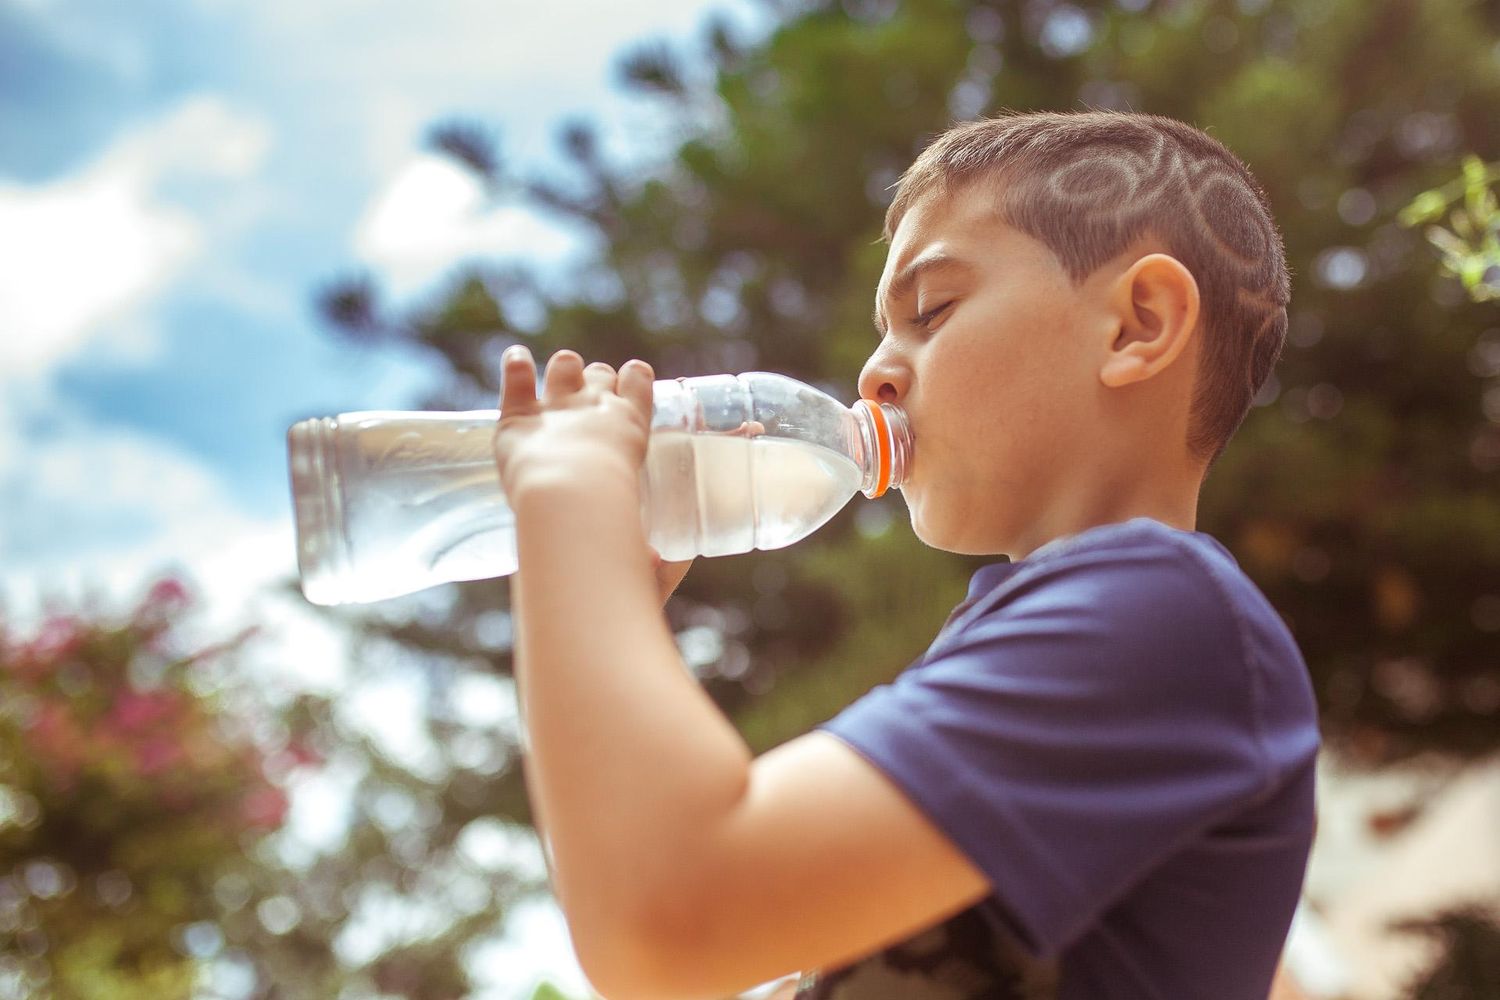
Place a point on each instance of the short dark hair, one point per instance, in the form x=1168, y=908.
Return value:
x=1090, y=184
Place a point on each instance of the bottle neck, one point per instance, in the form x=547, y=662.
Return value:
x=884, y=446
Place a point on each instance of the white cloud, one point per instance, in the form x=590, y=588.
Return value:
x=96, y=511
x=522, y=65
x=82, y=252
x=435, y=213
x=198, y=535
x=461, y=41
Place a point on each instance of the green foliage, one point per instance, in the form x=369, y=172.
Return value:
x=547, y=991
x=138, y=849
x=1360, y=493
x=143, y=789
x=1470, y=247
x=126, y=791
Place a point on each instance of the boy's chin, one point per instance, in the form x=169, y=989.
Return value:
x=948, y=535
x=932, y=531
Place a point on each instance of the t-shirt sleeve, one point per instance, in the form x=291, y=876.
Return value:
x=1077, y=734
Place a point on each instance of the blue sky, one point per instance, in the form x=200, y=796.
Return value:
x=177, y=177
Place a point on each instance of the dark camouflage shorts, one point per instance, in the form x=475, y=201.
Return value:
x=964, y=958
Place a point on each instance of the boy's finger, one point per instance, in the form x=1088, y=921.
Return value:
x=600, y=377
x=517, y=381
x=635, y=385
x=564, y=376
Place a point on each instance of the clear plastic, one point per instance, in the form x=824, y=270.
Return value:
x=388, y=503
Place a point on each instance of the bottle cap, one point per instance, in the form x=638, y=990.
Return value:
x=883, y=439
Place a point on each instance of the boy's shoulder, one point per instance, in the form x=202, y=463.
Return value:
x=1135, y=608
x=1163, y=597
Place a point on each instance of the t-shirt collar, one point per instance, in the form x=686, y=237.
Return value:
x=991, y=576
x=987, y=578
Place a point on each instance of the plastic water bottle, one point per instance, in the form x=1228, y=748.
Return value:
x=388, y=503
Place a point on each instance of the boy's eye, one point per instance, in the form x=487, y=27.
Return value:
x=926, y=318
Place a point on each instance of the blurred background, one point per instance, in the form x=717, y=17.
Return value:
x=217, y=218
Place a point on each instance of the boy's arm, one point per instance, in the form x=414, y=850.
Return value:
x=629, y=759
x=669, y=576
x=684, y=867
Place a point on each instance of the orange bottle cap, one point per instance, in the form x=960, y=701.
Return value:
x=883, y=438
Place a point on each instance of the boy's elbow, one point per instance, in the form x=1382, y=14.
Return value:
x=613, y=966
x=659, y=932
x=631, y=977
x=645, y=959
x=628, y=959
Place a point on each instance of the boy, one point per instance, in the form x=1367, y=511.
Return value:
x=1097, y=782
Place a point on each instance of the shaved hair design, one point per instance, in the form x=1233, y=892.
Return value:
x=1090, y=185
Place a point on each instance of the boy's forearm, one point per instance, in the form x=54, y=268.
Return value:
x=630, y=761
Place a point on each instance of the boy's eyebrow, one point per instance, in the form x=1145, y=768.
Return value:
x=902, y=284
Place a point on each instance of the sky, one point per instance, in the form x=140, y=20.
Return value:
x=177, y=179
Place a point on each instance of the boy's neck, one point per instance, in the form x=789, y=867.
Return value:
x=1173, y=502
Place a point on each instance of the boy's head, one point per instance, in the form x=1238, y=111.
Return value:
x=1077, y=310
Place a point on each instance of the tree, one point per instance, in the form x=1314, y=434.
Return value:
x=1360, y=492
x=752, y=245
x=1471, y=248
x=144, y=851
x=127, y=793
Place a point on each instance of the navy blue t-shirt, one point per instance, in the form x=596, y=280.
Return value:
x=1119, y=731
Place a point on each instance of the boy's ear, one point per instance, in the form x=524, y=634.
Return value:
x=1155, y=304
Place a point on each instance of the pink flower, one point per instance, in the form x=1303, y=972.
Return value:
x=157, y=755
x=133, y=712
x=265, y=808
x=162, y=602
x=59, y=638
x=168, y=594
x=303, y=753
x=59, y=634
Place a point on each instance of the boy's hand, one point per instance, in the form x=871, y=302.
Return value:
x=590, y=427
x=590, y=423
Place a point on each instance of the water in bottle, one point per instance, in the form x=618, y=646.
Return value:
x=388, y=503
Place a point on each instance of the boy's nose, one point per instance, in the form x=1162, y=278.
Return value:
x=882, y=383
